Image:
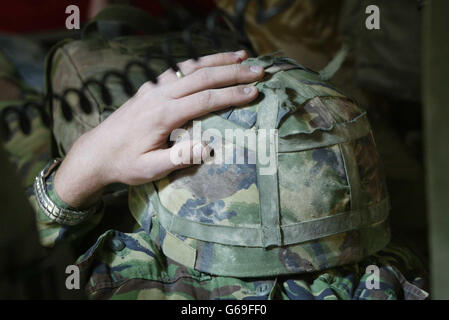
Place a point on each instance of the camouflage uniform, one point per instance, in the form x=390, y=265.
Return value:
x=132, y=265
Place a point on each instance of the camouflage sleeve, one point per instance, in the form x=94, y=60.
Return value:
x=133, y=266
x=30, y=153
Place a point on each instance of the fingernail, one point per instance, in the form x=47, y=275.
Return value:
x=241, y=54
x=248, y=90
x=256, y=69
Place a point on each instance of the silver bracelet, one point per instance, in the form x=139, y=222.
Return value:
x=60, y=215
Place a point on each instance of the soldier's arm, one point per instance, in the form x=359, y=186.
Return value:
x=112, y=147
x=29, y=154
x=126, y=148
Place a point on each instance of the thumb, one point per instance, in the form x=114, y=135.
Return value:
x=181, y=155
x=188, y=153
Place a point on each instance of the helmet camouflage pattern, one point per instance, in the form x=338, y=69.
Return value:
x=324, y=205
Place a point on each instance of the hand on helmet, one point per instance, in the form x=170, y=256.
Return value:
x=130, y=145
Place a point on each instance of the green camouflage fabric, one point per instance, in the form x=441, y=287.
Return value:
x=29, y=153
x=333, y=204
x=133, y=266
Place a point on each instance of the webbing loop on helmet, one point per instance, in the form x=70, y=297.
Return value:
x=267, y=182
x=254, y=236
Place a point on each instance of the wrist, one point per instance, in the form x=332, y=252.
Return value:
x=52, y=206
x=79, y=180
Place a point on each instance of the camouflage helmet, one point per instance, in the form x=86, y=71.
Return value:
x=324, y=205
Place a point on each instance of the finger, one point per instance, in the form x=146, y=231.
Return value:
x=201, y=103
x=181, y=155
x=190, y=66
x=214, y=77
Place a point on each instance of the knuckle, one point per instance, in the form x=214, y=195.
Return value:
x=237, y=93
x=202, y=76
x=236, y=71
x=144, y=88
x=205, y=98
x=228, y=57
